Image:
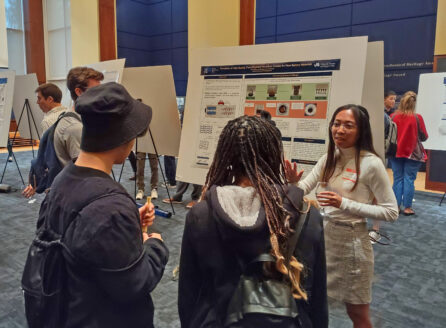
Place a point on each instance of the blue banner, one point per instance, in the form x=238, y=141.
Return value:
x=302, y=66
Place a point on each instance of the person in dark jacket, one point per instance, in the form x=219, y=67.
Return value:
x=247, y=210
x=117, y=265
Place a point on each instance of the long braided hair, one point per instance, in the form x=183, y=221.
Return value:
x=251, y=147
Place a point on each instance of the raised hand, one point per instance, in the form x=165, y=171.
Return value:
x=291, y=173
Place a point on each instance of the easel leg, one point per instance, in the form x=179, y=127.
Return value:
x=18, y=169
x=34, y=121
x=120, y=173
x=11, y=153
x=28, y=113
x=162, y=171
x=26, y=107
x=442, y=198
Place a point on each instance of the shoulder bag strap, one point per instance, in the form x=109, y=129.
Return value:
x=418, y=126
x=304, y=212
x=70, y=114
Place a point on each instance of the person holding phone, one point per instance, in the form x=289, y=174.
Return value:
x=354, y=176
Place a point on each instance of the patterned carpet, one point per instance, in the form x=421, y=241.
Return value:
x=410, y=274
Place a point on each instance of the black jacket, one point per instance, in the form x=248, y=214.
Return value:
x=209, y=272
x=105, y=234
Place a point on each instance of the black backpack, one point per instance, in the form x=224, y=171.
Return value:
x=259, y=301
x=390, y=142
x=45, y=276
x=46, y=166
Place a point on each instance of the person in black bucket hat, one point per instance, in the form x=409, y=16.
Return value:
x=116, y=265
x=111, y=117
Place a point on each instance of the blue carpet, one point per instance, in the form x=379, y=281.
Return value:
x=410, y=274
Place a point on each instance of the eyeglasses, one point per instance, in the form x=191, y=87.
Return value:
x=347, y=125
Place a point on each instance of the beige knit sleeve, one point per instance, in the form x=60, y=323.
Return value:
x=376, y=178
x=311, y=180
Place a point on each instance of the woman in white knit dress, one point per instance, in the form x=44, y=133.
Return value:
x=356, y=176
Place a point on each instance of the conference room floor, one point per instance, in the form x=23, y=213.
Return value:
x=409, y=286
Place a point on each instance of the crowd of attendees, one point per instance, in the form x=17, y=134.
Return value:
x=250, y=227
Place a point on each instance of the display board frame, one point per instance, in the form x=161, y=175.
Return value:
x=25, y=88
x=155, y=86
x=347, y=82
x=431, y=104
x=7, y=80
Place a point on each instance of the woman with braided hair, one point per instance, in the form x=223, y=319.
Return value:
x=355, y=176
x=248, y=209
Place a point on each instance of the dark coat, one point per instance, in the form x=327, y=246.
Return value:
x=209, y=271
x=105, y=234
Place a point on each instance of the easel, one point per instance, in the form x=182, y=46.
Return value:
x=159, y=165
x=442, y=198
x=27, y=107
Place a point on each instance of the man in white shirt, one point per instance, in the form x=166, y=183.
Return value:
x=49, y=97
x=68, y=133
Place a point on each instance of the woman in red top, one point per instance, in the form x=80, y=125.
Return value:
x=410, y=153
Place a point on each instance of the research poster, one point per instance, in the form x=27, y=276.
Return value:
x=7, y=79
x=112, y=69
x=299, y=83
x=296, y=94
x=431, y=104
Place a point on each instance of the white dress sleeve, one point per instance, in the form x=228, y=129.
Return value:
x=377, y=180
x=311, y=180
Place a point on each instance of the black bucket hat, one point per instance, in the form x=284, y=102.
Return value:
x=111, y=117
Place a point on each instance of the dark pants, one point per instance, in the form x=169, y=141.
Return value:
x=404, y=174
x=132, y=160
x=171, y=169
x=141, y=162
x=181, y=189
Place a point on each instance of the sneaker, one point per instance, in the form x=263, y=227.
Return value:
x=139, y=194
x=375, y=236
x=191, y=204
x=133, y=178
x=171, y=200
x=154, y=194
x=171, y=186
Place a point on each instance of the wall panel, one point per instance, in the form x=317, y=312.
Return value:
x=154, y=32
x=407, y=28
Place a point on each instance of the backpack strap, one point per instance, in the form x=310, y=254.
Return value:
x=303, y=217
x=57, y=239
x=69, y=114
x=266, y=257
x=294, y=240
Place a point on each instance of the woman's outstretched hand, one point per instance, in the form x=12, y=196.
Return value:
x=291, y=173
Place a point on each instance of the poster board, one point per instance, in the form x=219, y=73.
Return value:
x=299, y=83
x=66, y=96
x=7, y=78
x=112, y=69
x=431, y=104
x=3, y=37
x=373, y=93
x=155, y=86
x=25, y=87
